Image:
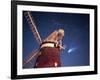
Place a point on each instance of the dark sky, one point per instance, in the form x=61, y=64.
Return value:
x=76, y=39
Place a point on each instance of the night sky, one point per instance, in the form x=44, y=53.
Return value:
x=76, y=39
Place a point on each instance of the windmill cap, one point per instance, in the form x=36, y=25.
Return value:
x=61, y=32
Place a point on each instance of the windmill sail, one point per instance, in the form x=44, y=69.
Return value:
x=33, y=27
x=34, y=54
x=35, y=32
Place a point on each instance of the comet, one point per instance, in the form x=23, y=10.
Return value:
x=71, y=50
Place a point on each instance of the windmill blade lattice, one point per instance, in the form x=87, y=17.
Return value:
x=34, y=54
x=33, y=27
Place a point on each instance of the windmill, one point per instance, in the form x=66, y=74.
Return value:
x=48, y=55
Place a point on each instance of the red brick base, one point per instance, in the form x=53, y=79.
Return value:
x=50, y=57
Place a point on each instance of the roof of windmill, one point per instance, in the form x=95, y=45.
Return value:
x=61, y=31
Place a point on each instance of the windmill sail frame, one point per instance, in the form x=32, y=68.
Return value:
x=33, y=27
